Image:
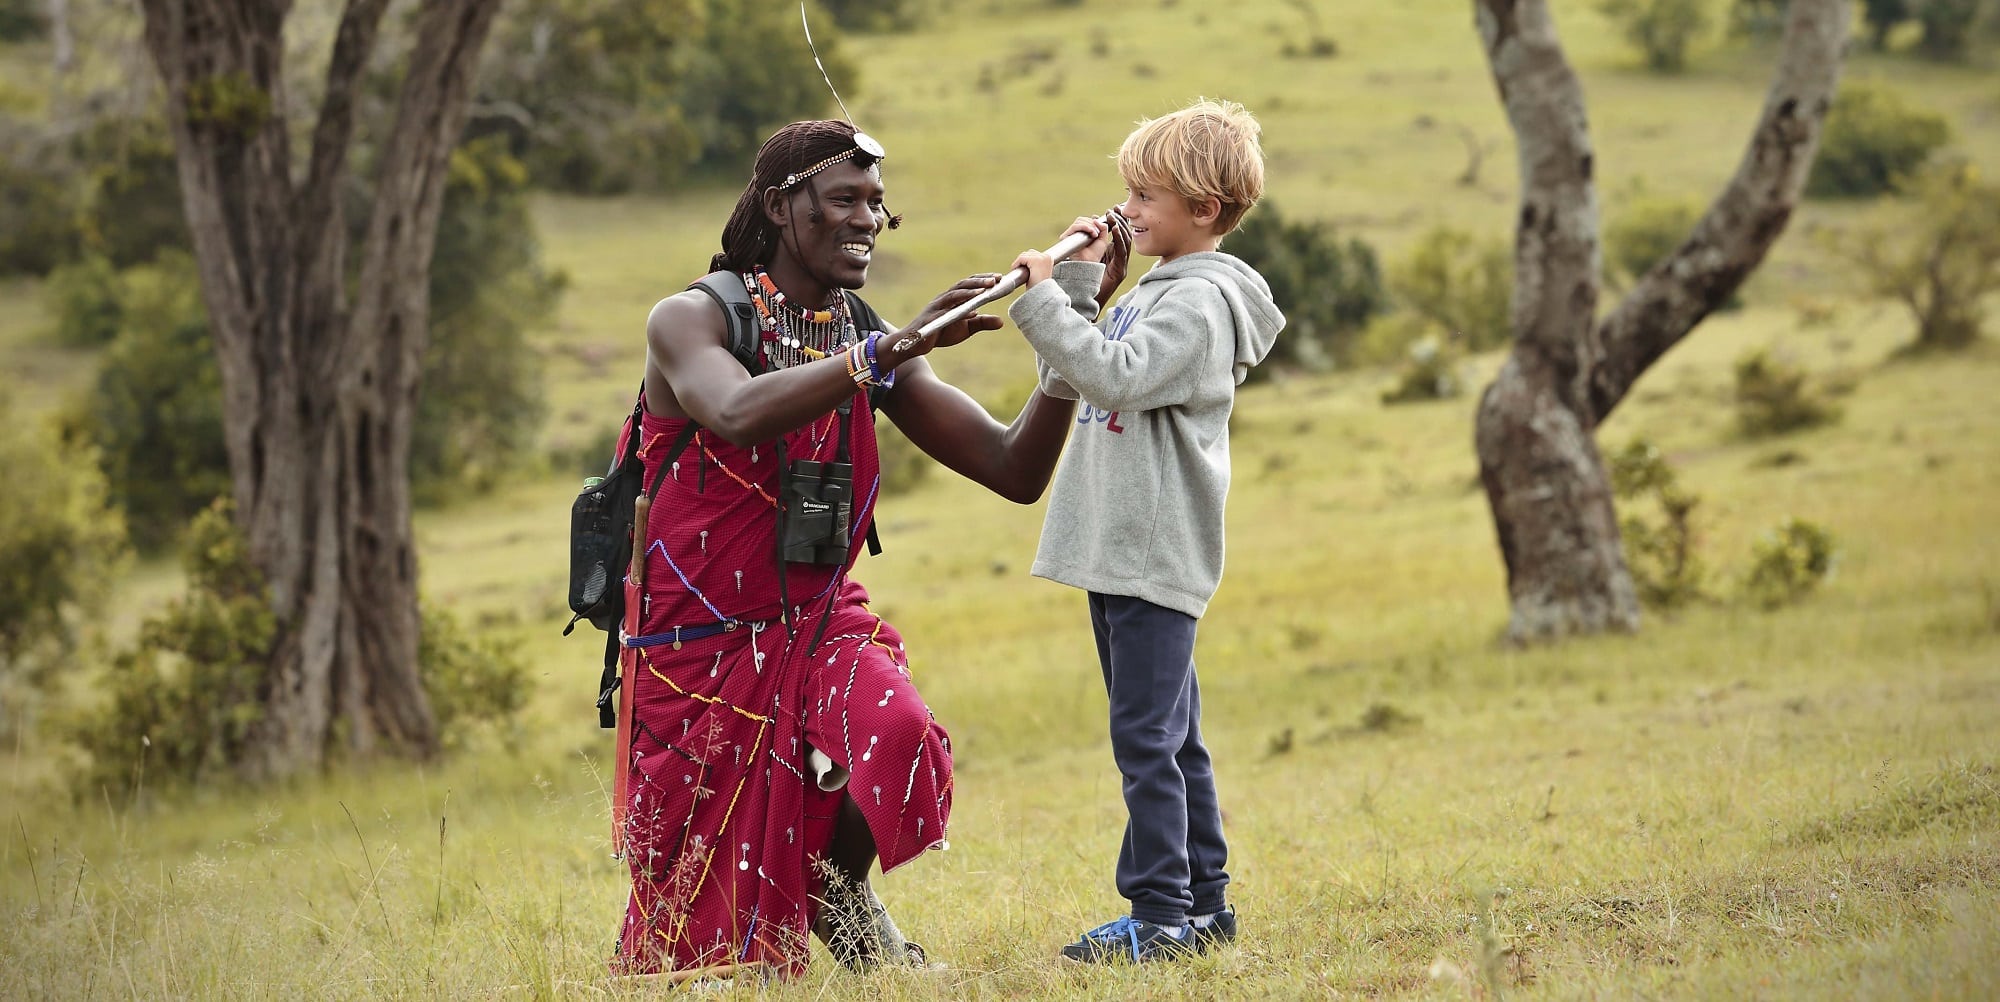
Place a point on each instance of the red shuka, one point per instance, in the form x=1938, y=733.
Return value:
x=722, y=816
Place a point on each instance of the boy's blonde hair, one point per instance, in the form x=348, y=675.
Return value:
x=1207, y=148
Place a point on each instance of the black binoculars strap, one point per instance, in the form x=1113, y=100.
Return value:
x=840, y=455
x=784, y=592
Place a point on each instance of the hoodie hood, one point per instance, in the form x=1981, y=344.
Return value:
x=1257, y=317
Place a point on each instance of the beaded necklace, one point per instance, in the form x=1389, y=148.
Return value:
x=794, y=336
x=777, y=298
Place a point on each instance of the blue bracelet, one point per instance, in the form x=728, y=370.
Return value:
x=875, y=364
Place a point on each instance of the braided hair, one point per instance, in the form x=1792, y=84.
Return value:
x=749, y=237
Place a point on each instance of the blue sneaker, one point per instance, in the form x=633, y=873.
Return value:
x=1219, y=932
x=1127, y=938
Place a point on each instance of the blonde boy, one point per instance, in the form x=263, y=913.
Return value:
x=1136, y=515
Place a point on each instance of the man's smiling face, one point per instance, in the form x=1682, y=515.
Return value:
x=838, y=248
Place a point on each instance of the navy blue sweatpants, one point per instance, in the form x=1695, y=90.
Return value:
x=1171, y=863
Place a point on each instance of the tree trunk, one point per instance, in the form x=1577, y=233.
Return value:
x=62, y=41
x=318, y=393
x=1536, y=426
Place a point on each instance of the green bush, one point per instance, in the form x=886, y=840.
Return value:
x=1883, y=16
x=108, y=186
x=86, y=296
x=22, y=20
x=129, y=206
x=1661, y=549
x=1328, y=289
x=1949, y=26
x=591, y=456
x=751, y=73
x=1460, y=283
x=37, y=215
x=61, y=547
x=481, y=404
x=1788, y=563
x=472, y=680
x=608, y=97
x=878, y=15
x=154, y=414
x=1873, y=139
x=592, y=91
x=1775, y=396
x=1943, y=261
x=1430, y=372
x=180, y=703
x=1662, y=30
x=904, y=466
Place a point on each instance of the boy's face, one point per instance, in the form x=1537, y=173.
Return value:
x=1164, y=225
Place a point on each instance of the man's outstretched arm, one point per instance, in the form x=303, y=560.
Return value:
x=1014, y=461
x=690, y=372
x=686, y=357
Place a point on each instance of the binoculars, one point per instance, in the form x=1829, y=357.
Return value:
x=818, y=500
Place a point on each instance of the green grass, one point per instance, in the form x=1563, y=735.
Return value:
x=1732, y=804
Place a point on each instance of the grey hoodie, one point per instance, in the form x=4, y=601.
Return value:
x=1139, y=495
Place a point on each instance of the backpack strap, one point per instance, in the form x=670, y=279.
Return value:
x=741, y=337
x=632, y=428
x=726, y=288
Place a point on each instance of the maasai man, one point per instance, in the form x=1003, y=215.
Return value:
x=778, y=745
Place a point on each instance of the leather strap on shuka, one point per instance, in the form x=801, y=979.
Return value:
x=627, y=662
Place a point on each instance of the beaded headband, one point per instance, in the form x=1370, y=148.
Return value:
x=864, y=145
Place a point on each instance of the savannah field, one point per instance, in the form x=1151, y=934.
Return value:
x=1733, y=803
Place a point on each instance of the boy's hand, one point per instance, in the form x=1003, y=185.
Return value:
x=1040, y=266
x=1100, y=235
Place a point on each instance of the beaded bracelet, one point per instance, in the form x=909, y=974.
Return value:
x=858, y=368
x=882, y=379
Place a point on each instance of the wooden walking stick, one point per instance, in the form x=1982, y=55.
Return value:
x=1063, y=250
x=628, y=669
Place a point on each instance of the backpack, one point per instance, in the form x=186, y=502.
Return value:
x=601, y=517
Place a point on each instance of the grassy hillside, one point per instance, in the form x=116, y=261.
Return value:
x=1733, y=804
x=1000, y=128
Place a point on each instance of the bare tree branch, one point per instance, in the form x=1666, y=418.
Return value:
x=1535, y=433
x=386, y=337
x=352, y=43
x=1555, y=241
x=1738, y=230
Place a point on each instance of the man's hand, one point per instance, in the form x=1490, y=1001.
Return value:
x=1115, y=260
x=1110, y=244
x=905, y=345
